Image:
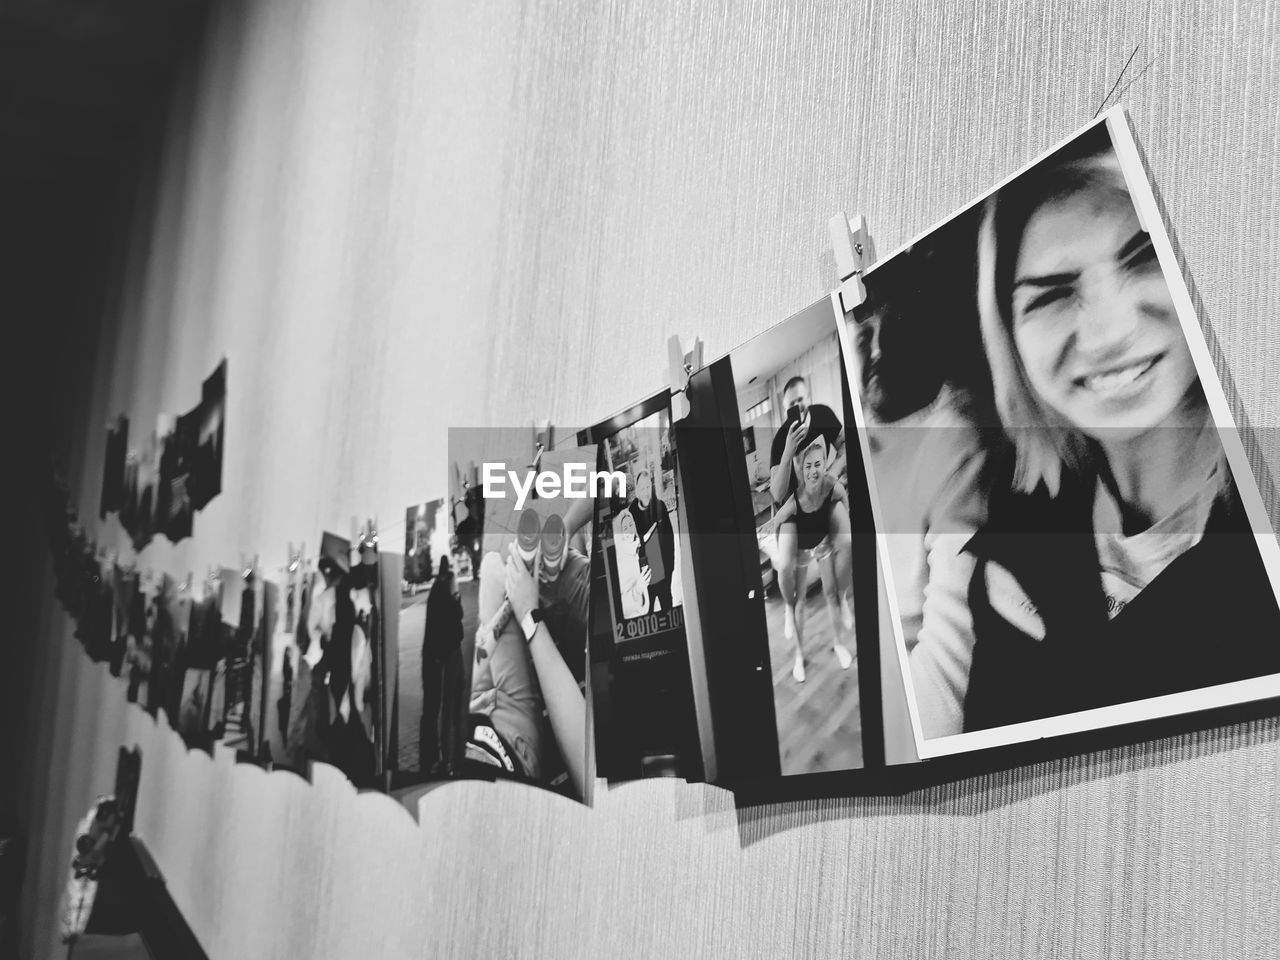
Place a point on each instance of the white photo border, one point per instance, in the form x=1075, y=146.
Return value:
x=1191, y=701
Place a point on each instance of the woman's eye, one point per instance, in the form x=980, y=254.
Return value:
x=1046, y=298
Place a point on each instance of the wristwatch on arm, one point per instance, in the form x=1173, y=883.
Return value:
x=529, y=624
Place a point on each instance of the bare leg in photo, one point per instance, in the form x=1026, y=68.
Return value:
x=828, y=566
x=837, y=580
x=839, y=531
x=792, y=577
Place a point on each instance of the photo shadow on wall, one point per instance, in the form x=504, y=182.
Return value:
x=976, y=785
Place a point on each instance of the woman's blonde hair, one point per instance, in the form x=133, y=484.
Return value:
x=1044, y=441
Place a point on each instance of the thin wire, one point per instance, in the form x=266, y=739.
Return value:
x=1117, y=83
x=1138, y=76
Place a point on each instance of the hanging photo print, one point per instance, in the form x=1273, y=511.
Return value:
x=138, y=515
x=124, y=588
x=642, y=698
x=113, y=467
x=203, y=681
x=206, y=473
x=285, y=662
x=336, y=714
x=264, y=659
x=142, y=615
x=1065, y=507
x=96, y=626
x=174, y=508
x=525, y=708
x=428, y=653
x=241, y=665
x=785, y=590
x=169, y=625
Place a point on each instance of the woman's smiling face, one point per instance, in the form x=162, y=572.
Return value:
x=814, y=466
x=1093, y=319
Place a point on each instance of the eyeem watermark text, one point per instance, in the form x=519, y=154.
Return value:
x=574, y=482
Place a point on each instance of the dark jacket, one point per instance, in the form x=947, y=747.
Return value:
x=1208, y=618
x=656, y=513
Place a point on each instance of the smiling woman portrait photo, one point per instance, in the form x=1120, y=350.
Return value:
x=1117, y=563
x=1055, y=502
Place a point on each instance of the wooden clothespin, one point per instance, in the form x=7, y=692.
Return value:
x=855, y=252
x=458, y=488
x=680, y=367
x=248, y=567
x=543, y=440
x=544, y=435
x=369, y=535
x=186, y=584
x=295, y=557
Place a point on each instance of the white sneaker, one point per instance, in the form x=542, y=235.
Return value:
x=797, y=672
x=843, y=655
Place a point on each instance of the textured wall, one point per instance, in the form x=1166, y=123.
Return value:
x=397, y=216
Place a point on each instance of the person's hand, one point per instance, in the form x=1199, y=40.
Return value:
x=485, y=642
x=522, y=584
x=646, y=575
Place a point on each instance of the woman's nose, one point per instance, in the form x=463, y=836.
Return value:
x=1108, y=316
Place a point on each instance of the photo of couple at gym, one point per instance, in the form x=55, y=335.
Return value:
x=1065, y=512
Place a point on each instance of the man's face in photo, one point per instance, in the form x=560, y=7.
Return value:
x=870, y=369
x=796, y=396
x=644, y=489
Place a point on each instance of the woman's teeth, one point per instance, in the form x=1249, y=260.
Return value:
x=1118, y=378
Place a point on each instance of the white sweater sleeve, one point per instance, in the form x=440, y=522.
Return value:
x=942, y=656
